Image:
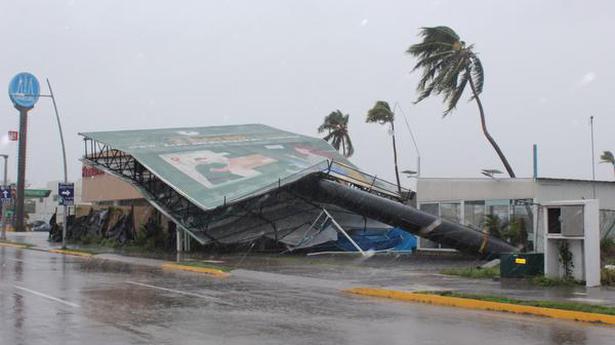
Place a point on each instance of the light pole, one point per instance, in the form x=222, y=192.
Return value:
x=55, y=108
x=4, y=203
x=416, y=147
x=591, y=130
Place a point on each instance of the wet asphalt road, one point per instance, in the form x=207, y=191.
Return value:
x=53, y=299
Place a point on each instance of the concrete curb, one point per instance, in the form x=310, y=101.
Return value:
x=484, y=305
x=69, y=252
x=13, y=245
x=209, y=271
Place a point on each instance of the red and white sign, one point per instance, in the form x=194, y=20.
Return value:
x=87, y=171
x=13, y=135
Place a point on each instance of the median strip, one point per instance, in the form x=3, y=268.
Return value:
x=477, y=304
x=70, y=252
x=13, y=245
x=206, y=270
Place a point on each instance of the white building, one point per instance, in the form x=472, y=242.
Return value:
x=44, y=208
x=469, y=200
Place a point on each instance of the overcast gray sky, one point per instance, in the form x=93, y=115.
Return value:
x=128, y=64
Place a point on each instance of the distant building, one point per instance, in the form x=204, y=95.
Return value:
x=469, y=200
x=44, y=208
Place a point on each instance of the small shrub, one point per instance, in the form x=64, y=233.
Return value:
x=473, y=272
x=607, y=251
x=607, y=276
x=565, y=258
x=89, y=239
x=548, y=282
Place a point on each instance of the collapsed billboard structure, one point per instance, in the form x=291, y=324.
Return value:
x=236, y=184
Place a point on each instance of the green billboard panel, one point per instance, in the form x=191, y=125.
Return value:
x=212, y=166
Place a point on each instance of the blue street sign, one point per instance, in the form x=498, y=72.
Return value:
x=5, y=194
x=24, y=90
x=66, y=193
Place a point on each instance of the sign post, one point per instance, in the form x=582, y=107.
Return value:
x=5, y=198
x=24, y=91
x=66, y=193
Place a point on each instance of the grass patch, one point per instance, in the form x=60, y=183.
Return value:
x=574, y=306
x=548, y=282
x=473, y=272
x=205, y=265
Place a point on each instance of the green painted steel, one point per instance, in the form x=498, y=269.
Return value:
x=213, y=166
x=37, y=193
x=519, y=265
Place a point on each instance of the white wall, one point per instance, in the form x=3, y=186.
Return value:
x=558, y=190
x=454, y=189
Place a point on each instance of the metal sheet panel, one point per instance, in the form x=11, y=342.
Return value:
x=212, y=166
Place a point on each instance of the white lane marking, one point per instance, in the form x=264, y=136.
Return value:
x=18, y=260
x=47, y=296
x=179, y=292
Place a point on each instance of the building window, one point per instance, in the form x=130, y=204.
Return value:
x=433, y=209
x=500, y=209
x=450, y=211
x=474, y=214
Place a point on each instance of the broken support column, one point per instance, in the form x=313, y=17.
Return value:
x=396, y=214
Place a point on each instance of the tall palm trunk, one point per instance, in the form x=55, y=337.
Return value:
x=497, y=149
x=511, y=173
x=343, y=147
x=395, y=158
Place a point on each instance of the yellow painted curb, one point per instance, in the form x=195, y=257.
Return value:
x=484, y=305
x=69, y=252
x=13, y=245
x=210, y=271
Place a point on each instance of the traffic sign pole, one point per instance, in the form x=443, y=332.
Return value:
x=66, y=193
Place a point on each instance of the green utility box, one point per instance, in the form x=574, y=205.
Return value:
x=520, y=265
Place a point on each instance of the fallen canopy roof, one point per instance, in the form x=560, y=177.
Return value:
x=250, y=181
x=216, y=166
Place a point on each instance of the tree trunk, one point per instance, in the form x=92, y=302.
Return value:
x=497, y=149
x=395, y=158
x=343, y=147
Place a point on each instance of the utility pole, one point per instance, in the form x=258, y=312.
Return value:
x=591, y=128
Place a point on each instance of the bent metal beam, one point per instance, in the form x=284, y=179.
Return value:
x=394, y=213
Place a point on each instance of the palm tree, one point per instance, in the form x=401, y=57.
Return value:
x=607, y=157
x=382, y=114
x=448, y=65
x=336, y=124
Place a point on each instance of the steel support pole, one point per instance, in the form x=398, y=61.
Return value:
x=179, y=244
x=21, y=169
x=4, y=181
x=4, y=202
x=65, y=216
x=340, y=229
